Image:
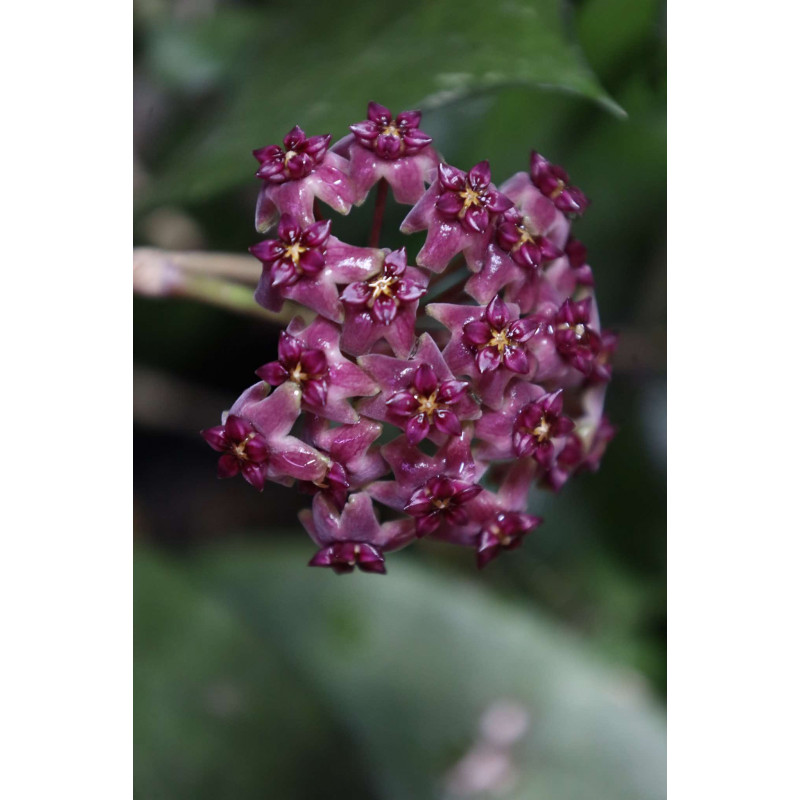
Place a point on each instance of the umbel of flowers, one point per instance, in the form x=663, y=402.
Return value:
x=419, y=397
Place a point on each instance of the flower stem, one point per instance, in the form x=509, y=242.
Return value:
x=377, y=217
x=219, y=279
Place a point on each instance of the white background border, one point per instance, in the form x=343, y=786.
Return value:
x=66, y=327
x=67, y=338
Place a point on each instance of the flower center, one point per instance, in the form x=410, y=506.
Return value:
x=580, y=329
x=440, y=504
x=471, y=198
x=391, y=130
x=290, y=154
x=294, y=251
x=427, y=405
x=525, y=236
x=500, y=340
x=559, y=190
x=542, y=430
x=505, y=539
x=297, y=375
x=382, y=286
x=239, y=450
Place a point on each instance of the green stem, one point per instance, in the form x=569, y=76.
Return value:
x=218, y=279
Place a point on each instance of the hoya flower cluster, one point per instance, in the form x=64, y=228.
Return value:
x=420, y=397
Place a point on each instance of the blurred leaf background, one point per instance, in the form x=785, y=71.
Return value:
x=256, y=677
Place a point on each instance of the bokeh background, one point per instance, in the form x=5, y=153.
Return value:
x=542, y=676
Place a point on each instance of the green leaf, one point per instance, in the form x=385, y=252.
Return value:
x=319, y=68
x=408, y=665
x=217, y=716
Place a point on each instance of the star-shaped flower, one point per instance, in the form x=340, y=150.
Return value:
x=566, y=343
x=540, y=427
x=435, y=490
x=495, y=428
x=488, y=344
x=306, y=264
x=553, y=182
x=384, y=307
x=458, y=210
x=576, y=341
x=498, y=521
x=305, y=366
x=309, y=357
x=420, y=395
x=527, y=247
x=503, y=531
x=393, y=148
x=297, y=173
x=353, y=538
x=517, y=259
x=243, y=449
x=501, y=518
x=583, y=450
x=254, y=439
x=354, y=462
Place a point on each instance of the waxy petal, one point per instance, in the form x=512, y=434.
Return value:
x=516, y=359
x=417, y=428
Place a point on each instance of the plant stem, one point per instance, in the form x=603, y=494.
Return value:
x=219, y=279
x=377, y=217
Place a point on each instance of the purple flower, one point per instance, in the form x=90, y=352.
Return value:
x=294, y=176
x=297, y=252
x=384, y=307
x=553, y=182
x=325, y=386
x=390, y=148
x=488, y=344
x=566, y=343
x=305, y=264
x=495, y=428
x=516, y=260
x=435, y=490
x=305, y=366
x=427, y=404
x=391, y=138
x=297, y=161
x=497, y=339
x=503, y=532
x=440, y=500
x=576, y=341
x=580, y=452
x=353, y=538
x=254, y=439
x=353, y=461
x=242, y=448
x=497, y=522
x=420, y=396
x=469, y=197
x=539, y=426
x=458, y=210
x=526, y=247
x=503, y=521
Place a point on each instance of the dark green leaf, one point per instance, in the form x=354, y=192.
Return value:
x=409, y=664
